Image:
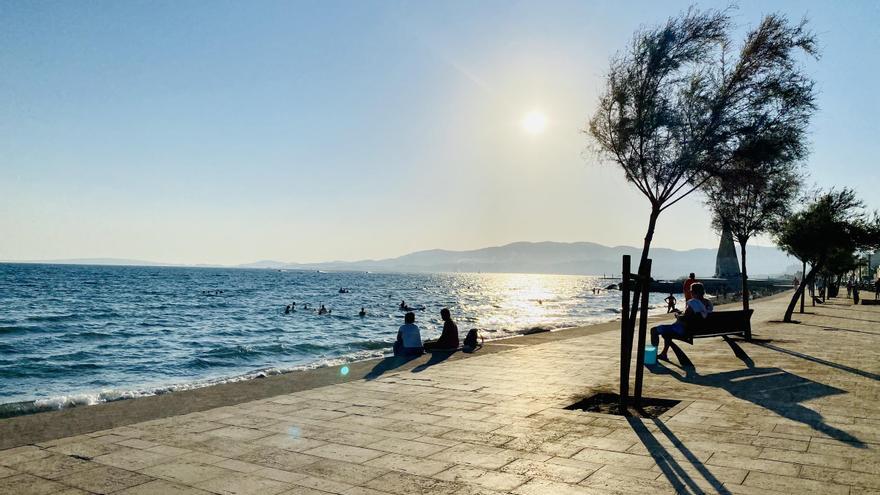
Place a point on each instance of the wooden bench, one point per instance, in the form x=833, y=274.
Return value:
x=717, y=324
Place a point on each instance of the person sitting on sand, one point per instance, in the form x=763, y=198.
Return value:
x=362, y=313
x=449, y=338
x=409, y=338
x=691, y=280
x=670, y=303
x=698, y=305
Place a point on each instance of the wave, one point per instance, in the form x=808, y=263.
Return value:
x=92, y=398
x=51, y=318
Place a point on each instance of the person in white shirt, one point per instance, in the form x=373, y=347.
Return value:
x=409, y=339
x=698, y=305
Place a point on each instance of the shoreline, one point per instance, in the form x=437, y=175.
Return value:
x=50, y=425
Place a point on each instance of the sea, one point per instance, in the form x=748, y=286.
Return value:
x=74, y=335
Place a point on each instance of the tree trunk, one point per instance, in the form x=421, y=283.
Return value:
x=744, y=274
x=646, y=248
x=804, y=277
x=636, y=297
x=798, y=293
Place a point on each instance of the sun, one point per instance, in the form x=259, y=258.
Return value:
x=534, y=122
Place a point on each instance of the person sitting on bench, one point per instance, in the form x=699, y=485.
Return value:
x=449, y=338
x=698, y=305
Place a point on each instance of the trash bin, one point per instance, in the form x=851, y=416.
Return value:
x=650, y=354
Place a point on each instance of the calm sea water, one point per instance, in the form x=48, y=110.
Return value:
x=74, y=334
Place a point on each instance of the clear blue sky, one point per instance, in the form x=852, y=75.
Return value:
x=226, y=132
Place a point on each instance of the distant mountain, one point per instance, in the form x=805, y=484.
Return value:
x=571, y=258
x=575, y=258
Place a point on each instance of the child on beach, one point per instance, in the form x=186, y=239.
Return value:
x=670, y=303
x=698, y=305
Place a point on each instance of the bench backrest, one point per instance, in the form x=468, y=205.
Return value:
x=719, y=322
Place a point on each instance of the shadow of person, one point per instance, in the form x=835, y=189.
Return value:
x=387, y=364
x=436, y=358
x=773, y=389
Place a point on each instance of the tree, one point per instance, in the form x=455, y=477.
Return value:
x=674, y=113
x=831, y=226
x=757, y=191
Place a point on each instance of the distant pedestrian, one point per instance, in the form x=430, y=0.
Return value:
x=670, y=303
x=877, y=289
x=688, y=295
x=855, y=293
x=849, y=286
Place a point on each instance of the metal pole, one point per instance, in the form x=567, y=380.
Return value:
x=625, y=345
x=645, y=280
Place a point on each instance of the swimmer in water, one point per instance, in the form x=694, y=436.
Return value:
x=322, y=310
x=402, y=304
x=362, y=313
x=287, y=309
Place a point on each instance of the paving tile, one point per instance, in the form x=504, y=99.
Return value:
x=161, y=487
x=787, y=484
x=348, y=453
x=488, y=479
x=842, y=477
x=54, y=466
x=26, y=484
x=104, y=479
x=131, y=459
x=407, y=447
x=408, y=484
x=278, y=458
x=608, y=457
x=547, y=487
x=18, y=455
x=763, y=465
x=243, y=484
x=567, y=473
x=409, y=464
x=611, y=482
x=346, y=472
x=807, y=458
x=186, y=473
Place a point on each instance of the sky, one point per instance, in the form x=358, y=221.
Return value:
x=229, y=132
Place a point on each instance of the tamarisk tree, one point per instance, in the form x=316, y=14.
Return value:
x=832, y=225
x=675, y=113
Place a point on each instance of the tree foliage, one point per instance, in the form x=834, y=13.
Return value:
x=681, y=105
x=832, y=227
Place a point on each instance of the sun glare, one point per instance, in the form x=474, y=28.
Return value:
x=534, y=122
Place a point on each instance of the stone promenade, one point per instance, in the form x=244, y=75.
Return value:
x=797, y=412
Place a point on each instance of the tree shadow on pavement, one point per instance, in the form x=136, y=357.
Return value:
x=673, y=471
x=773, y=389
x=842, y=367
